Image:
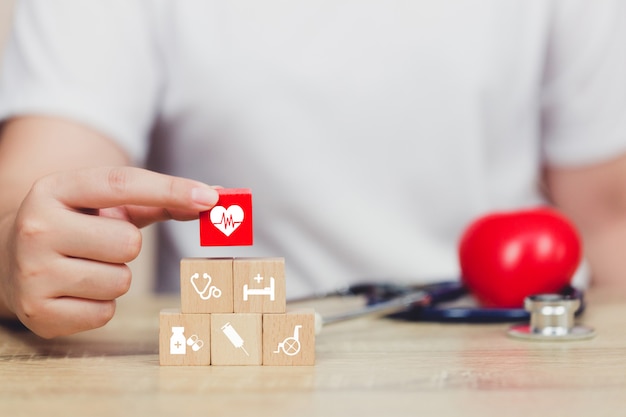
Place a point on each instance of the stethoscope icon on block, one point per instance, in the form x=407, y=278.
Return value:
x=208, y=290
x=291, y=345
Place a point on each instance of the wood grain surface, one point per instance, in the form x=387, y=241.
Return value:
x=366, y=367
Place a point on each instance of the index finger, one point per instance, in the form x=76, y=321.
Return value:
x=104, y=187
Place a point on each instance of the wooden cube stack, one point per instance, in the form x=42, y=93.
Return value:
x=233, y=312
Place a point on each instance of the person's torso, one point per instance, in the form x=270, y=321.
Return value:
x=370, y=133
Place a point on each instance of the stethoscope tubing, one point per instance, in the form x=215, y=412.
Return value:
x=423, y=304
x=464, y=315
x=383, y=308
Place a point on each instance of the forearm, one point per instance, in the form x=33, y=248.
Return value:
x=5, y=224
x=594, y=197
x=605, y=249
x=32, y=147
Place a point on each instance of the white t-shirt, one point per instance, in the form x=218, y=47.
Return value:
x=370, y=132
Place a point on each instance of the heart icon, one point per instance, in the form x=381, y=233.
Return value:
x=508, y=256
x=227, y=220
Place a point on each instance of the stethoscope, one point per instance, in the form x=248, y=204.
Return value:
x=427, y=303
x=549, y=316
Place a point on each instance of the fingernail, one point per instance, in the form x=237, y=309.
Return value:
x=204, y=196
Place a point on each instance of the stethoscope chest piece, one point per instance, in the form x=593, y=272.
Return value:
x=552, y=317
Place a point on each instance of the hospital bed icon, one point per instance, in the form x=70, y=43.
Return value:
x=260, y=291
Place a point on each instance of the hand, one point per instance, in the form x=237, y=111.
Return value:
x=70, y=240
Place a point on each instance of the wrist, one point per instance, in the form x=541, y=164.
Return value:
x=6, y=251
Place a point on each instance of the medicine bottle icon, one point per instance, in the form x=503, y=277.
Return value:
x=178, y=345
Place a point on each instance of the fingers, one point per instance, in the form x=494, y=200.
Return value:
x=65, y=316
x=43, y=234
x=65, y=296
x=54, y=295
x=89, y=280
x=94, y=237
x=104, y=187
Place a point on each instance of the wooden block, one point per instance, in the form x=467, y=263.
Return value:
x=259, y=285
x=206, y=285
x=237, y=339
x=184, y=339
x=289, y=339
x=229, y=222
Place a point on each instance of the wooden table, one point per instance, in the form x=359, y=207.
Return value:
x=367, y=367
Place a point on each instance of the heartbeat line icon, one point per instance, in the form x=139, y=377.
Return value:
x=227, y=220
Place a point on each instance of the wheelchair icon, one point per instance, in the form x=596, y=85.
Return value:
x=291, y=345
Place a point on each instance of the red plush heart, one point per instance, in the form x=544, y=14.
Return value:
x=508, y=256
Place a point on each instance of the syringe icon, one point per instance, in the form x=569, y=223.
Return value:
x=234, y=337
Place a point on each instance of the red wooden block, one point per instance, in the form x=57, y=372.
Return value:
x=229, y=223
